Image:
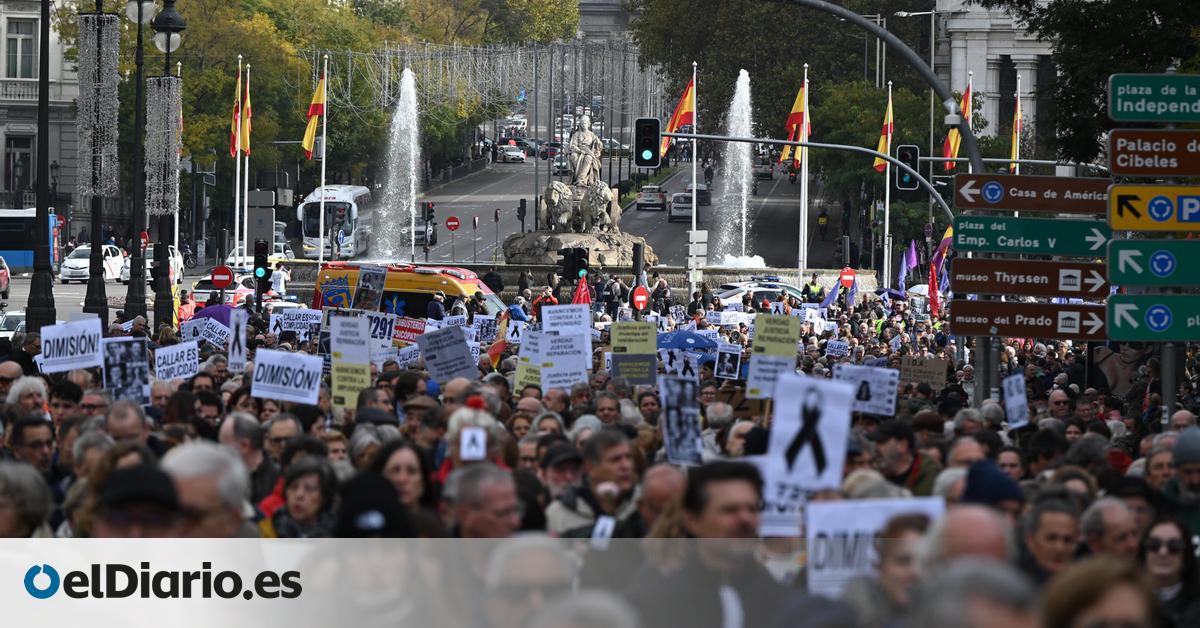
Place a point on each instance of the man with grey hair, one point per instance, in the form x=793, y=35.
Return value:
x=972, y=592
x=522, y=576
x=88, y=449
x=968, y=530
x=1109, y=527
x=482, y=500
x=968, y=421
x=1181, y=420
x=717, y=416
x=218, y=367
x=126, y=421
x=993, y=414
x=212, y=485
x=243, y=434
x=28, y=503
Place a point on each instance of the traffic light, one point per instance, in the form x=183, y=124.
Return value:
x=521, y=210
x=909, y=155
x=262, y=268
x=567, y=263
x=647, y=141
x=427, y=212
x=581, y=262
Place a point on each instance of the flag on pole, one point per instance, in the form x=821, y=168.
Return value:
x=908, y=262
x=953, y=138
x=316, y=109
x=496, y=350
x=939, y=257
x=234, y=123
x=798, y=127
x=885, y=137
x=685, y=114
x=1016, y=133
x=246, y=115
x=582, y=294
x=935, y=304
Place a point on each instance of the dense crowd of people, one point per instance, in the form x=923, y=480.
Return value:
x=1086, y=516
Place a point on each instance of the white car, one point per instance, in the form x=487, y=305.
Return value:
x=243, y=285
x=176, y=263
x=512, y=154
x=762, y=287
x=11, y=323
x=425, y=233
x=680, y=207
x=237, y=259
x=76, y=266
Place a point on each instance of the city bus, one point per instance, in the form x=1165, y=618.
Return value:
x=347, y=231
x=16, y=243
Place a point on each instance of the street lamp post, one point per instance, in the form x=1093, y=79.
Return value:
x=140, y=12
x=932, y=52
x=168, y=28
x=40, y=311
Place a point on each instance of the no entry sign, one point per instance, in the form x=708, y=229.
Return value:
x=222, y=277
x=641, y=298
x=452, y=223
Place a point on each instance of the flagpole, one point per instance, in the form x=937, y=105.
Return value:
x=887, y=200
x=802, y=254
x=1016, y=165
x=179, y=73
x=695, y=152
x=324, y=154
x=971, y=91
x=237, y=165
x=246, y=178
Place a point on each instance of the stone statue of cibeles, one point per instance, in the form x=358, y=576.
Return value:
x=588, y=204
x=583, y=153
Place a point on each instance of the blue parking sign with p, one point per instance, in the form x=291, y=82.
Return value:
x=1189, y=208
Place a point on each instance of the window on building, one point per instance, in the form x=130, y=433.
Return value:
x=18, y=163
x=19, y=49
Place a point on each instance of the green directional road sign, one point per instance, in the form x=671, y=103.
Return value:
x=1030, y=236
x=1154, y=262
x=1153, y=317
x=1154, y=97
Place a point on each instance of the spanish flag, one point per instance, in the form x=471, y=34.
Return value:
x=953, y=138
x=246, y=115
x=685, y=114
x=798, y=126
x=885, y=136
x=316, y=109
x=497, y=348
x=1014, y=167
x=234, y=127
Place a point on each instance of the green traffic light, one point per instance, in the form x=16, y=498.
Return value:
x=260, y=272
x=582, y=273
x=647, y=154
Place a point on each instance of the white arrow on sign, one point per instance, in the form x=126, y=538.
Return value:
x=1094, y=281
x=1097, y=239
x=1129, y=257
x=1125, y=312
x=1094, y=323
x=968, y=191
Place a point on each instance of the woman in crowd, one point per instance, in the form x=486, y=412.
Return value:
x=308, y=489
x=1169, y=558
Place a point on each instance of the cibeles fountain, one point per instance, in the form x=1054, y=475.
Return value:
x=583, y=214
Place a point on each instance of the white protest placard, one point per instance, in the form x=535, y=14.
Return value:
x=193, y=329
x=74, y=345
x=624, y=314
x=179, y=361
x=841, y=537
x=811, y=315
x=1016, y=406
x=127, y=369
x=215, y=332
x=485, y=327
x=875, y=387
x=729, y=361
x=734, y=307
x=715, y=317
x=681, y=420
x=472, y=443
x=469, y=334
x=516, y=331
x=406, y=356
x=381, y=326
x=774, y=353
x=474, y=347
x=709, y=334
x=350, y=339
x=447, y=355
x=239, y=320
x=837, y=348
x=299, y=320
x=569, y=320
x=458, y=319
x=529, y=360
x=778, y=308
x=807, y=447
x=286, y=376
x=564, y=361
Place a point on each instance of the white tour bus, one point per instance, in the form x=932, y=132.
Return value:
x=347, y=232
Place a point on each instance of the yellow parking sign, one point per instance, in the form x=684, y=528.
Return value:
x=1154, y=207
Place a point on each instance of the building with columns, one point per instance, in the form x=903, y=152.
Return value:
x=992, y=48
x=603, y=19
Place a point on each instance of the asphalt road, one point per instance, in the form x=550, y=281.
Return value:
x=774, y=222
x=68, y=299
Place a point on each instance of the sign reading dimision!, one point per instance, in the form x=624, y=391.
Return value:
x=1027, y=320
x=1022, y=277
x=1154, y=153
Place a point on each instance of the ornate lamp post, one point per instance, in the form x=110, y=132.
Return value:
x=139, y=12
x=40, y=310
x=162, y=162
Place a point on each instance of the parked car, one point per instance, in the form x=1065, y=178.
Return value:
x=77, y=265
x=561, y=166
x=5, y=278
x=176, y=264
x=764, y=168
x=762, y=288
x=680, y=207
x=652, y=197
x=243, y=285
x=550, y=149
x=425, y=234
x=237, y=259
x=615, y=147
x=512, y=154
x=11, y=323
x=703, y=194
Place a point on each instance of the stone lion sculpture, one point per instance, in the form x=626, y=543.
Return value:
x=598, y=209
x=555, y=213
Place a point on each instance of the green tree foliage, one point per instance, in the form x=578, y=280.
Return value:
x=1092, y=40
x=493, y=21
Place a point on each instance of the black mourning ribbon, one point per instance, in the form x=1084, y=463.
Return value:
x=810, y=414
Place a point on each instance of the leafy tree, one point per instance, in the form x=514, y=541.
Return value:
x=493, y=21
x=1092, y=40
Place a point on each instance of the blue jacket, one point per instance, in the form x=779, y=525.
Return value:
x=436, y=310
x=517, y=313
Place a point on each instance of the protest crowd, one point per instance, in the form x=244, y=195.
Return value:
x=829, y=459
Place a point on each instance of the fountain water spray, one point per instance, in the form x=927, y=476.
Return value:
x=399, y=204
x=733, y=209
